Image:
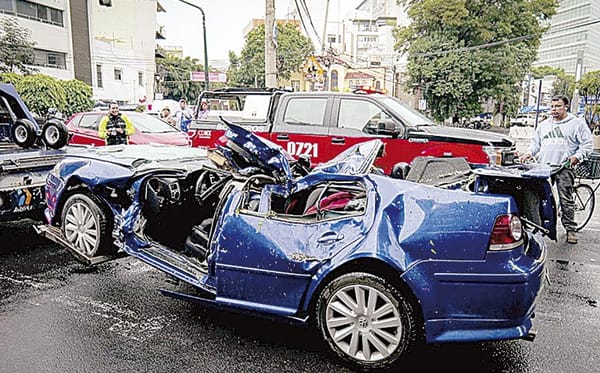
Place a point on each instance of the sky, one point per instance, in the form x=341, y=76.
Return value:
x=226, y=20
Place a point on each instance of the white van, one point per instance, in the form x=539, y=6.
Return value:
x=155, y=107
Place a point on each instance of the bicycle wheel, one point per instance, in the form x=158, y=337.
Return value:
x=584, y=204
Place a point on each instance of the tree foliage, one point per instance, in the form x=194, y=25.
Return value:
x=249, y=68
x=175, y=82
x=564, y=84
x=41, y=92
x=464, y=52
x=589, y=89
x=78, y=96
x=16, y=49
x=11, y=78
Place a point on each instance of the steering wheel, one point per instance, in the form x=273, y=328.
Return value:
x=204, y=186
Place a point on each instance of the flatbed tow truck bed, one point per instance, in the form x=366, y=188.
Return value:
x=23, y=178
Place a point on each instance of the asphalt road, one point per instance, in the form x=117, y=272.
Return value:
x=59, y=316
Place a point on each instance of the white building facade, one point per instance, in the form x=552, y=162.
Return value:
x=110, y=48
x=574, y=33
x=123, y=40
x=50, y=24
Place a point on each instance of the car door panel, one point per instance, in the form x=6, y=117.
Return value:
x=270, y=261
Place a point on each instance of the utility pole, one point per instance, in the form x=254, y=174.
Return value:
x=578, y=72
x=324, y=38
x=270, y=66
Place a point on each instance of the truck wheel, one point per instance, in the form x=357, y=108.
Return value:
x=87, y=226
x=55, y=135
x=23, y=133
x=365, y=320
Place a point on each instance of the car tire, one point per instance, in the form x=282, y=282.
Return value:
x=55, y=135
x=87, y=225
x=353, y=333
x=23, y=133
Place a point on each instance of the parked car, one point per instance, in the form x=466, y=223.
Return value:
x=376, y=263
x=83, y=128
x=526, y=119
x=156, y=106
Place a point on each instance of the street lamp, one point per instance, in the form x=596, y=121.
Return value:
x=205, y=51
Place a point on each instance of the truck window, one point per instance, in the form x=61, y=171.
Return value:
x=360, y=115
x=308, y=111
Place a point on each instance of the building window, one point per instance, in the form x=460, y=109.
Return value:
x=296, y=85
x=140, y=79
x=6, y=6
x=334, y=80
x=118, y=74
x=99, y=75
x=29, y=10
x=56, y=60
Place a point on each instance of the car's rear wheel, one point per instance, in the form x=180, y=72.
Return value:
x=365, y=320
x=87, y=225
x=23, y=133
x=55, y=135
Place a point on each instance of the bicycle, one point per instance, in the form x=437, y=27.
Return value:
x=585, y=195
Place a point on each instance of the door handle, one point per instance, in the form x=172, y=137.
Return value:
x=338, y=140
x=283, y=137
x=329, y=238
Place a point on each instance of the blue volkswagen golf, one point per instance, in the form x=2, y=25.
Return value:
x=375, y=264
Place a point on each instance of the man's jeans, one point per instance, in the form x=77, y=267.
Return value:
x=565, y=179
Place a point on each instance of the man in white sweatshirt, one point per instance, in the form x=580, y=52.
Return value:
x=562, y=139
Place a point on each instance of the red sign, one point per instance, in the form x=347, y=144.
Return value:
x=198, y=76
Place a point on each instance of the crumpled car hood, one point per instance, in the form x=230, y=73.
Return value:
x=144, y=157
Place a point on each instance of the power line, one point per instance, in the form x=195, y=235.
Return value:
x=301, y=18
x=500, y=42
x=481, y=46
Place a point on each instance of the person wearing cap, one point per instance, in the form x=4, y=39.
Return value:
x=115, y=127
x=183, y=116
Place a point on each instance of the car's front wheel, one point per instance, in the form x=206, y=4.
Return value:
x=365, y=320
x=55, y=135
x=87, y=225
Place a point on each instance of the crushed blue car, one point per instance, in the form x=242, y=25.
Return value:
x=376, y=264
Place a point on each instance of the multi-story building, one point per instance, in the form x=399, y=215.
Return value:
x=50, y=24
x=574, y=32
x=110, y=48
x=123, y=42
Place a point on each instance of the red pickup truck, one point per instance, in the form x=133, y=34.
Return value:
x=322, y=124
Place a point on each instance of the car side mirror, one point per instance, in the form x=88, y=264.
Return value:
x=388, y=127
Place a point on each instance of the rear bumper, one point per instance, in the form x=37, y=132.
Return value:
x=493, y=299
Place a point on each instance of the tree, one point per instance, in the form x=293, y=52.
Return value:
x=175, y=78
x=564, y=83
x=11, y=78
x=462, y=53
x=41, y=92
x=589, y=89
x=249, y=68
x=16, y=50
x=78, y=96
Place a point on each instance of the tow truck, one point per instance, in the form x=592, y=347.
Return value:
x=28, y=151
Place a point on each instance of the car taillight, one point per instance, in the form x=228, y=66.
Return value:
x=507, y=233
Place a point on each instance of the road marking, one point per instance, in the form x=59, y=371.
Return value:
x=125, y=321
x=21, y=279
